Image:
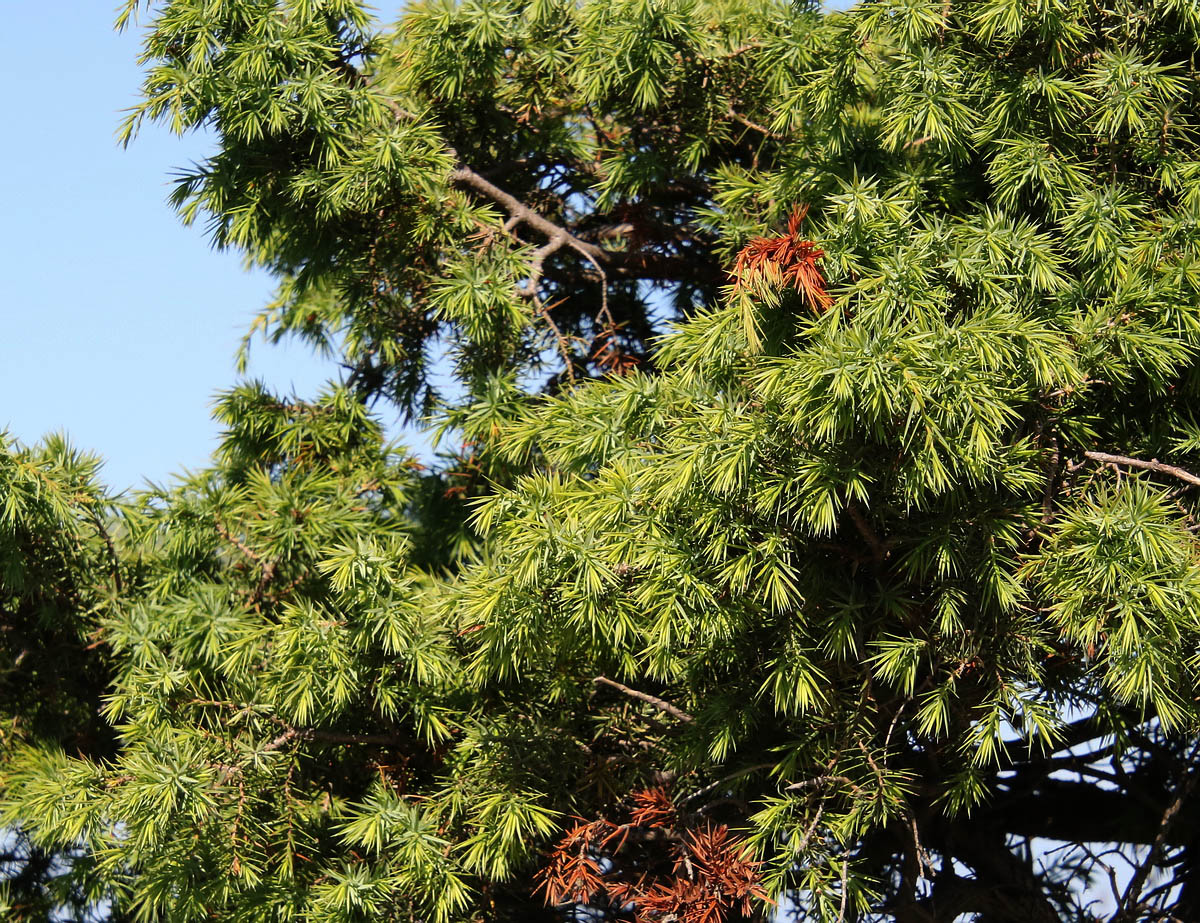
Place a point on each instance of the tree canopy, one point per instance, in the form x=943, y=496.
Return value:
x=815, y=532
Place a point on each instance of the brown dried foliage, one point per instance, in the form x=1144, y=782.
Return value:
x=787, y=259
x=609, y=356
x=701, y=875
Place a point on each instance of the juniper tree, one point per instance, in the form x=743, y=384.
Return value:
x=816, y=533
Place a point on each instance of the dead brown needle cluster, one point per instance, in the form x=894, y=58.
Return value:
x=787, y=259
x=701, y=875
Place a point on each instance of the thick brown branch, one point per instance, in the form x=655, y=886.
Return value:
x=283, y=739
x=518, y=211
x=661, y=704
x=1153, y=465
x=640, y=264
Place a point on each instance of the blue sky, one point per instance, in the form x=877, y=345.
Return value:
x=119, y=324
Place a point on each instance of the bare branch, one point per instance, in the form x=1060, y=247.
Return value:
x=114, y=561
x=845, y=891
x=519, y=212
x=564, y=345
x=661, y=704
x=604, y=312
x=242, y=547
x=822, y=780
x=1129, y=901
x=1153, y=465
x=283, y=739
x=754, y=126
x=529, y=288
x=879, y=550
x=811, y=828
x=517, y=209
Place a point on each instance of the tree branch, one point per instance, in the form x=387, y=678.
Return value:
x=528, y=289
x=661, y=704
x=822, y=780
x=465, y=176
x=237, y=543
x=754, y=126
x=563, y=344
x=629, y=265
x=1129, y=900
x=878, y=548
x=518, y=211
x=108, y=543
x=1153, y=465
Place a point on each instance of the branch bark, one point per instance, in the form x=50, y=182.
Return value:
x=465, y=176
x=529, y=288
x=114, y=561
x=661, y=704
x=1152, y=465
x=879, y=550
x=1129, y=900
x=754, y=126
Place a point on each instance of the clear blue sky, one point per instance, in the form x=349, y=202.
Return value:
x=119, y=324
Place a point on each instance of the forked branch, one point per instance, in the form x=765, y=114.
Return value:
x=556, y=234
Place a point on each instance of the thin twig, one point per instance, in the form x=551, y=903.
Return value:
x=887, y=738
x=879, y=777
x=845, y=890
x=243, y=548
x=700, y=793
x=810, y=829
x=661, y=704
x=822, y=780
x=564, y=345
x=604, y=312
x=1153, y=465
x=924, y=862
x=754, y=126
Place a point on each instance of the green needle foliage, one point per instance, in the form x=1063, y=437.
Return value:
x=847, y=571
